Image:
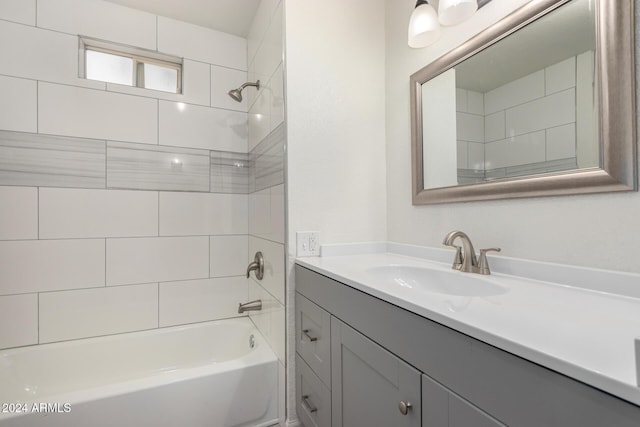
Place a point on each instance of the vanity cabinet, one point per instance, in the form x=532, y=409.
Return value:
x=382, y=356
x=443, y=408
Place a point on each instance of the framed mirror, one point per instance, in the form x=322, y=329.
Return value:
x=541, y=103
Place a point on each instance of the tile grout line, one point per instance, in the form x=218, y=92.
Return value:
x=38, y=315
x=38, y=212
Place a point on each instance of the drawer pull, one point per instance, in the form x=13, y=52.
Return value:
x=308, y=406
x=305, y=334
x=404, y=407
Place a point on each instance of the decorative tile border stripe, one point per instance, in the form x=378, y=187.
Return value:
x=267, y=161
x=51, y=161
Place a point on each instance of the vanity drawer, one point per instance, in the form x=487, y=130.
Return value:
x=313, y=398
x=313, y=337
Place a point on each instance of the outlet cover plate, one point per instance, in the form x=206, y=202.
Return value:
x=307, y=243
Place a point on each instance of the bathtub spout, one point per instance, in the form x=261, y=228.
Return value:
x=250, y=306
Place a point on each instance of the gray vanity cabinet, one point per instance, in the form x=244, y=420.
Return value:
x=443, y=408
x=370, y=386
x=382, y=355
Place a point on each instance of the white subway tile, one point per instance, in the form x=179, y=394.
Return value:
x=40, y=55
x=99, y=19
x=194, y=126
x=494, y=127
x=524, y=89
x=195, y=86
x=93, y=312
x=18, y=104
x=222, y=81
x=266, y=213
x=560, y=76
x=22, y=11
x=272, y=46
x=273, y=253
x=277, y=214
x=550, y=111
x=276, y=108
x=229, y=256
x=561, y=142
x=201, y=300
x=259, y=120
x=462, y=154
x=261, y=318
x=258, y=29
x=72, y=111
x=201, y=44
x=277, y=339
x=48, y=265
x=475, y=102
x=260, y=213
x=156, y=259
x=470, y=127
x=184, y=214
x=519, y=150
x=476, y=153
x=461, y=101
x=18, y=213
x=18, y=320
x=270, y=321
x=66, y=213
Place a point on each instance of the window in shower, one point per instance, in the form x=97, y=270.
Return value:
x=111, y=63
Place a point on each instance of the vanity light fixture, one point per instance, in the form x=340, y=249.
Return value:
x=424, y=24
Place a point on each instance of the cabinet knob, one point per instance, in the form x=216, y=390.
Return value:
x=404, y=407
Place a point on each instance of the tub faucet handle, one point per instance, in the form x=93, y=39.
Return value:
x=483, y=263
x=257, y=265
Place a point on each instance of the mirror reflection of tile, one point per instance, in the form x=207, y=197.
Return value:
x=524, y=127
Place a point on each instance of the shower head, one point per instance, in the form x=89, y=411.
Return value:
x=236, y=94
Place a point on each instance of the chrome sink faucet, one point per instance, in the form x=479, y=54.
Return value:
x=465, y=259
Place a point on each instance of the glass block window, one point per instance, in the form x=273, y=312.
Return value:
x=129, y=66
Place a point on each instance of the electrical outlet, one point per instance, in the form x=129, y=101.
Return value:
x=307, y=243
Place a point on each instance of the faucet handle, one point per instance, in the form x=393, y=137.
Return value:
x=483, y=264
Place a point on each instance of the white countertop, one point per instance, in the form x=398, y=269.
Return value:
x=583, y=333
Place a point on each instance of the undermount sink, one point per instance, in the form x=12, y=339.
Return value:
x=439, y=281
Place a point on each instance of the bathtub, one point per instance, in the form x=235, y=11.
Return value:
x=214, y=374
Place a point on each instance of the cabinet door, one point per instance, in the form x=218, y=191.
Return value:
x=443, y=408
x=370, y=386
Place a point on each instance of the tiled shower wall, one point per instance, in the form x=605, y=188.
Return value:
x=121, y=208
x=526, y=126
x=266, y=198
x=266, y=184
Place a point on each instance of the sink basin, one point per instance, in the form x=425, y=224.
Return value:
x=438, y=281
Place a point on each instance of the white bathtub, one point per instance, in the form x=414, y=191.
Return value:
x=197, y=375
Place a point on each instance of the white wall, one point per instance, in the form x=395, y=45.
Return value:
x=335, y=116
x=335, y=101
x=595, y=230
x=81, y=253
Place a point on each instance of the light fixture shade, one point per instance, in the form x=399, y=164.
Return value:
x=423, y=26
x=453, y=12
